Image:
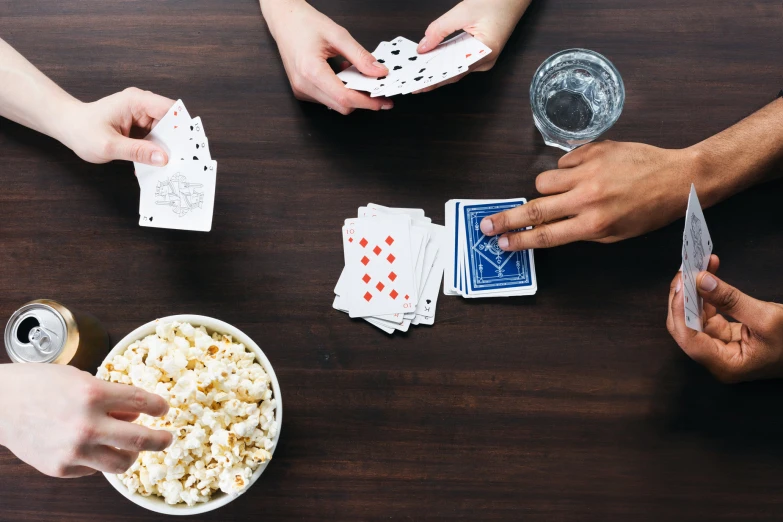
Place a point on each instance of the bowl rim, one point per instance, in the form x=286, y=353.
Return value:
x=157, y=504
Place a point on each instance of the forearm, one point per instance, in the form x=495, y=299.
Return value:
x=743, y=155
x=5, y=411
x=269, y=8
x=27, y=96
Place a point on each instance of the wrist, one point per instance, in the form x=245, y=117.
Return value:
x=60, y=125
x=699, y=169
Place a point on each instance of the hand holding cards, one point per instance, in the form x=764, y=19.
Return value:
x=696, y=251
x=393, y=266
x=410, y=71
x=477, y=267
x=180, y=195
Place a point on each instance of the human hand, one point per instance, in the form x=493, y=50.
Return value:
x=490, y=21
x=602, y=192
x=66, y=423
x=747, y=350
x=101, y=131
x=306, y=39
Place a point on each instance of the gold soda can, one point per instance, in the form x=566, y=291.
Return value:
x=45, y=331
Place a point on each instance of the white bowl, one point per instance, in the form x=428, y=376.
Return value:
x=219, y=499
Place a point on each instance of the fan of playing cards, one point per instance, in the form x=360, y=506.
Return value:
x=476, y=265
x=410, y=71
x=394, y=259
x=180, y=195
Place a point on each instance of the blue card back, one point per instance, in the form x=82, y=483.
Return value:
x=489, y=267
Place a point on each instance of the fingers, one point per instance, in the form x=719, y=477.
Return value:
x=575, y=157
x=697, y=345
x=457, y=18
x=555, y=181
x=712, y=267
x=108, y=460
x=731, y=301
x=142, y=151
x=148, y=103
x=114, y=397
x=75, y=472
x=674, y=288
x=337, y=96
x=351, y=50
x=127, y=417
x=536, y=212
x=132, y=437
x=543, y=236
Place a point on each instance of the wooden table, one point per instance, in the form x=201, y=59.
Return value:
x=571, y=405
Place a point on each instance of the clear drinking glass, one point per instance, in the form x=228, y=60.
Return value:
x=576, y=95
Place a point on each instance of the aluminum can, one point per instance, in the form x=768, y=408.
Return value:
x=45, y=331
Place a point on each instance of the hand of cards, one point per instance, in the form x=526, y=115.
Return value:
x=410, y=71
x=476, y=266
x=180, y=195
x=696, y=251
x=394, y=259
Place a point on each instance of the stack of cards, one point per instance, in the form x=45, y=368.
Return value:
x=410, y=71
x=696, y=251
x=394, y=261
x=476, y=266
x=180, y=195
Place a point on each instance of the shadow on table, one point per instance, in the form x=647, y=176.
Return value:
x=735, y=418
x=437, y=136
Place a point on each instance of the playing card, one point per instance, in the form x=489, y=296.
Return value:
x=195, y=145
x=428, y=297
x=181, y=196
x=401, y=58
x=378, y=258
x=171, y=126
x=696, y=251
x=353, y=79
x=424, y=244
x=449, y=59
x=474, y=264
x=490, y=268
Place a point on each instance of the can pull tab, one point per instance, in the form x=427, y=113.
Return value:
x=40, y=340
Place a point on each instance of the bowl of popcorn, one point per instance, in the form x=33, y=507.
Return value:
x=225, y=412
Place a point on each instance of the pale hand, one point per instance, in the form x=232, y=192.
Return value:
x=746, y=350
x=306, y=39
x=602, y=192
x=490, y=21
x=67, y=423
x=111, y=128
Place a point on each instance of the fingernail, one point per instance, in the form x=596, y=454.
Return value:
x=708, y=283
x=678, y=286
x=503, y=242
x=423, y=43
x=487, y=227
x=378, y=65
x=386, y=107
x=157, y=158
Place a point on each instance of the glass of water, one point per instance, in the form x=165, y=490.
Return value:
x=576, y=96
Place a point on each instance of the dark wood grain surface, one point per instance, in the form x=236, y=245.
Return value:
x=574, y=404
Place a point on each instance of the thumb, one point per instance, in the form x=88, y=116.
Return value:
x=140, y=151
x=452, y=21
x=353, y=51
x=730, y=301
